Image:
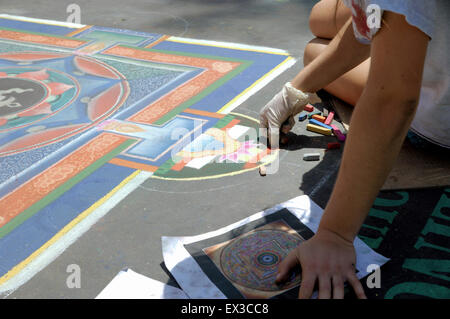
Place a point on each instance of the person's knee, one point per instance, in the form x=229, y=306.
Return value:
x=321, y=19
x=327, y=17
x=313, y=50
x=316, y=20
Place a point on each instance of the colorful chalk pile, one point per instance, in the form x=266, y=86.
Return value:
x=320, y=124
x=316, y=123
x=323, y=125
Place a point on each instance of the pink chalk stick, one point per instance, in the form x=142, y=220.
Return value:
x=329, y=118
x=309, y=108
x=338, y=133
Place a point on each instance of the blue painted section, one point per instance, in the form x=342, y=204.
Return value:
x=38, y=229
x=156, y=140
x=150, y=94
x=34, y=27
x=55, y=153
x=181, y=143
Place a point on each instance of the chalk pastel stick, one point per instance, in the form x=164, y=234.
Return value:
x=338, y=133
x=303, y=116
x=318, y=129
x=319, y=118
x=315, y=122
x=311, y=157
x=333, y=146
x=314, y=113
x=262, y=170
x=329, y=118
x=308, y=108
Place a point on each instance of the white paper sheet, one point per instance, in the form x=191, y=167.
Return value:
x=196, y=284
x=130, y=285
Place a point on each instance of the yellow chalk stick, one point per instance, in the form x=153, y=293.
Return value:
x=318, y=129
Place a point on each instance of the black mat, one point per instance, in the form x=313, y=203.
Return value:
x=412, y=228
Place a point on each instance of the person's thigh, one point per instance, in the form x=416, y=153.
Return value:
x=349, y=86
x=327, y=17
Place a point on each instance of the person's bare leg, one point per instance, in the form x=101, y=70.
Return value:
x=327, y=18
x=349, y=86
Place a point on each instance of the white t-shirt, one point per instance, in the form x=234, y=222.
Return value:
x=432, y=120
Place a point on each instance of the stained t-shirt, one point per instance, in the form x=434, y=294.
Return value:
x=432, y=120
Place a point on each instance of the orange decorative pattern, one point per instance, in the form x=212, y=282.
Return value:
x=169, y=58
x=214, y=71
x=41, y=39
x=41, y=185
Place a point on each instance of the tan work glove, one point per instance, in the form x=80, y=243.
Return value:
x=280, y=111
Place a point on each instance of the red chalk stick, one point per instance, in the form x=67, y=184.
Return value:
x=329, y=118
x=319, y=118
x=338, y=133
x=334, y=146
x=309, y=108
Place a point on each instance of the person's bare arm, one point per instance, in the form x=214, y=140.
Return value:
x=379, y=123
x=378, y=127
x=342, y=54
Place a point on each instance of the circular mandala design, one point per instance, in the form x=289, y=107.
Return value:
x=29, y=94
x=267, y=258
x=17, y=95
x=252, y=260
x=33, y=91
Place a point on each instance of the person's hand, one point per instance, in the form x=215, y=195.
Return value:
x=278, y=114
x=325, y=257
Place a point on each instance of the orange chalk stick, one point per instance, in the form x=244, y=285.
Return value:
x=319, y=118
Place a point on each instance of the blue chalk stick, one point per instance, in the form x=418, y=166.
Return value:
x=315, y=122
x=302, y=116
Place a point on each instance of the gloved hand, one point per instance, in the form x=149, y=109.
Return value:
x=279, y=113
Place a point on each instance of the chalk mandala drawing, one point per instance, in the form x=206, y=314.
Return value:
x=86, y=109
x=250, y=261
